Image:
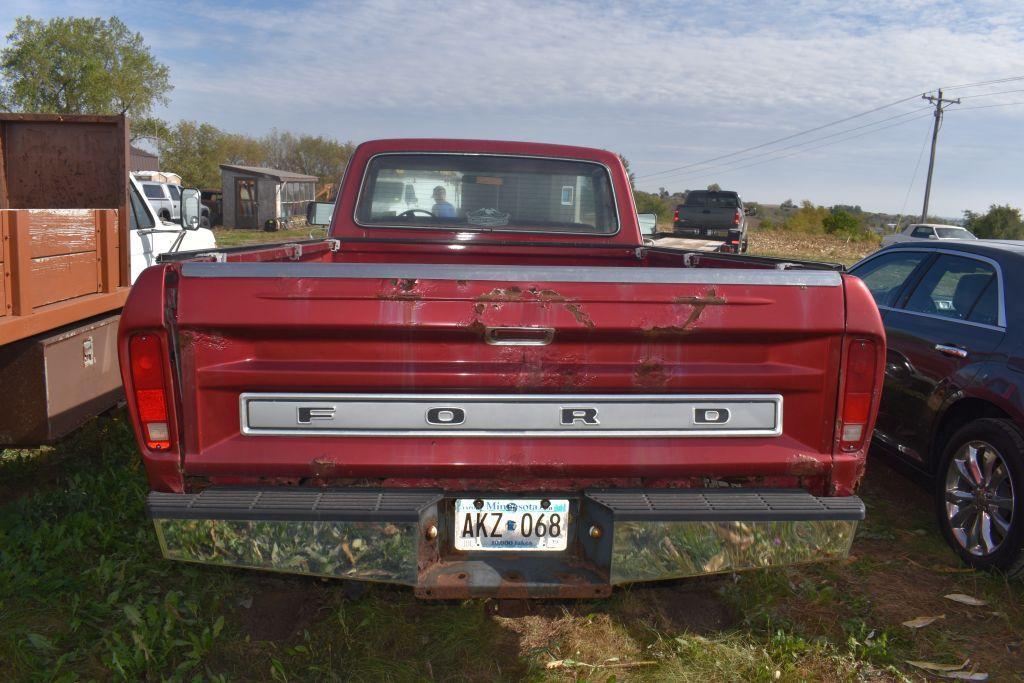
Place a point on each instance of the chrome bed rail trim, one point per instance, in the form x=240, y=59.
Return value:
x=511, y=273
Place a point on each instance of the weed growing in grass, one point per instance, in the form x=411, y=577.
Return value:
x=79, y=582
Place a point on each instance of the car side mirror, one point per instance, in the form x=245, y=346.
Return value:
x=648, y=223
x=319, y=213
x=191, y=208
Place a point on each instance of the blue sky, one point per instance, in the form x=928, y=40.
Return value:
x=665, y=84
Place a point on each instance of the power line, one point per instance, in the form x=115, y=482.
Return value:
x=989, y=106
x=823, y=126
x=783, y=139
x=800, y=144
x=913, y=179
x=977, y=84
x=703, y=172
x=990, y=94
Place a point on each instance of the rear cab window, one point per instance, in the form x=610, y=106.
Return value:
x=153, y=191
x=487, y=193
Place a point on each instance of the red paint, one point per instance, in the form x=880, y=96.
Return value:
x=393, y=336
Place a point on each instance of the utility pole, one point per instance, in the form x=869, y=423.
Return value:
x=939, y=108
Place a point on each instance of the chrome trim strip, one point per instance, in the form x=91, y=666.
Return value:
x=943, y=318
x=461, y=228
x=510, y=273
x=497, y=409
x=1001, y=326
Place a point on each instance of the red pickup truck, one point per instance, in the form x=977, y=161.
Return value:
x=483, y=383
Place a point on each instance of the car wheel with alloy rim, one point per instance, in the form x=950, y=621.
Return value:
x=979, y=493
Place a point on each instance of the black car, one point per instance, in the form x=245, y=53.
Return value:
x=953, y=400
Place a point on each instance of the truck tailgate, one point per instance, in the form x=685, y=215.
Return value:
x=326, y=341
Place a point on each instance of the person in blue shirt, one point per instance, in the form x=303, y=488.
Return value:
x=442, y=208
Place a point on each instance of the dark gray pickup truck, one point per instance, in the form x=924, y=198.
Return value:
x=713, y=214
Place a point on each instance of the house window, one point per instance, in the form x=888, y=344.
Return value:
x=567, y=192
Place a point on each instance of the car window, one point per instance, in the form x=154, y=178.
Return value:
x=986, y=310
x=696, y=198
x=175, y=192
x=955, y=234
x=922, y=232
x=885, y=275
x=153, y=191
x=139, y=218
x=951, y=287
x=723, y=200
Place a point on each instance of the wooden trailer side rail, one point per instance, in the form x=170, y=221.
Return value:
x=59, y=266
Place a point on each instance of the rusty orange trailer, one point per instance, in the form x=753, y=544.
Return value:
x=65, y=265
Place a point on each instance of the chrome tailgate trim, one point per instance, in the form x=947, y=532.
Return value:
x=504, y=415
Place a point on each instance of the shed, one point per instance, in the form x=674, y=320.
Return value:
x=254, y=195
x=141, y=160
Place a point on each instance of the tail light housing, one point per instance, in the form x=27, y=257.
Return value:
x=737, y=217
x=149, y=384
x=859, y=389
x=675, y=216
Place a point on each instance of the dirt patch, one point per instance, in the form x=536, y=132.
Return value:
x=278, y=609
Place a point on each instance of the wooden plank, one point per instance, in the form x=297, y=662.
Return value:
x=107, y=236
x=58, y=278
x=55, y=232
x=56, y=315
x=124, y=248
x=5, y=268
x=21, y=263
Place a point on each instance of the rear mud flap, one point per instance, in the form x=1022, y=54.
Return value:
x=402, y=536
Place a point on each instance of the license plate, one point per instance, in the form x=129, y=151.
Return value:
x=511, y=524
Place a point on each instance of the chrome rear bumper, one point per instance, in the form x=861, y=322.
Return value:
x=403, y=536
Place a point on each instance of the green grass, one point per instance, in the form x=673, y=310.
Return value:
x=228, y=237
x=84, y=594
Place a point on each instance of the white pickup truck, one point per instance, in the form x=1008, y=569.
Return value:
x=152, y=235
x=929, y=231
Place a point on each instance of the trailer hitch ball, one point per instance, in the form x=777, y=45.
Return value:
x=595, y=531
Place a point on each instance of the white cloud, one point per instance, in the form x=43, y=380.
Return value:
x=665, y=84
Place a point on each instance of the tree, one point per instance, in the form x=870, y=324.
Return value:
x=787, y=205
x=714, y=187
x=1000, y=222
x=77, y=65
x=325, y=158
x=195, y=152
x=651, y=203
x=841, y=222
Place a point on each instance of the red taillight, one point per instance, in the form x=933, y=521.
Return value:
x=858, y=394
x=737, y=217
x=146, y=358
x=675, y=216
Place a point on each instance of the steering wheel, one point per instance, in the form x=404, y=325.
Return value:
x=409, y=213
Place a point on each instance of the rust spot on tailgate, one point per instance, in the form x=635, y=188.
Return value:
x=650, y=373
x=322, y=467
x=805, y=465
x=189, y=339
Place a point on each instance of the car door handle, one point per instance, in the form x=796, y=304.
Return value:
x=951, y=350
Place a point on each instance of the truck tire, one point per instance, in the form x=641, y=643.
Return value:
x=979, y=495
